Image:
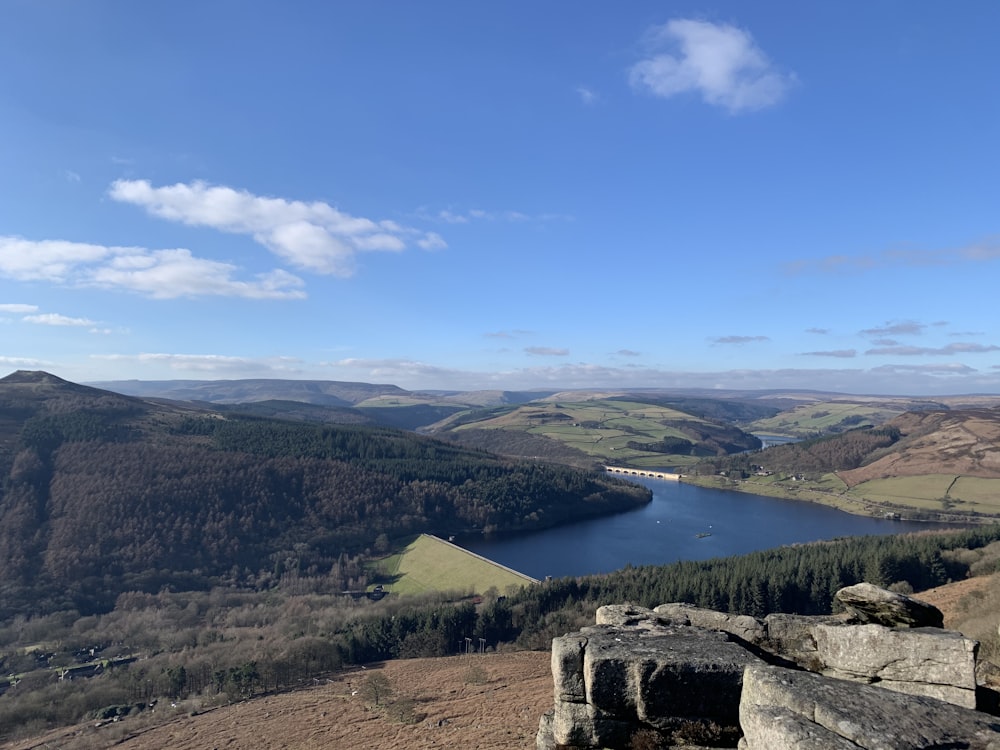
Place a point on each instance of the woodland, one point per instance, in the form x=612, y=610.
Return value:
x=104, y=494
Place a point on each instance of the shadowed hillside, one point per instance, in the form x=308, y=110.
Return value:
x=102, y=493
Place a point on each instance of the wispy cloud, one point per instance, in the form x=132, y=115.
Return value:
x=842, y=353
x=160, y=274
x=949, y=349
x=818, y=331
x=54, y=319
x=587, y=95
x=628, y=353
x=720, y=62
x=899, y=328
x=984, y=251
x=18, y=308
x=218, y=364
x=953, y=368
x=471, y=215
x=24, y=362
x=514, y=334
x=738, y=339
x=546, y=351
x=314, y=236
x=71, y=176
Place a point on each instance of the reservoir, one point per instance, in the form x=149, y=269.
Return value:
x=683, y=522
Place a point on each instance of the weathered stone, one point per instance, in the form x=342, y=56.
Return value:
x=744, y=627
x=869, y=603
x=867, y=716
x=626, y=615
x=920, y=661
x=793, y=637
x=776, y=728
x=545, y=740
x=671, y=679
x=581, y=725
x=567, y=668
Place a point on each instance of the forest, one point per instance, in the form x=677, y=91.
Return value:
x=815, y=456
x=102, y=494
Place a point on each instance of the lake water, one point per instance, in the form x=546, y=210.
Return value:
x=668, y=529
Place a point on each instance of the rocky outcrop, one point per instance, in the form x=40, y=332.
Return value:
x=613, y=681
x=867, y=603
x=677, y=676
x=782, y=708
x=937, y=663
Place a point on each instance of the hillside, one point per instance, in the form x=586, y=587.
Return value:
x=624, y=430
x=490, y=701
x=103, y=493
x=942, y=464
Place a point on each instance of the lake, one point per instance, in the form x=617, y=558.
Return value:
x=683, y=522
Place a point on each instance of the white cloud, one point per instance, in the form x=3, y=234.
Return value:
x=587, y=95
x=18, y=308
x=311, y=236
x=217, y=364
x=161, y=274
x=23, y=362
x=719, y=61
x=546, y=351
x=54, y=319
x=983, y=251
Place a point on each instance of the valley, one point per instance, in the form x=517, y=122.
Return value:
x=205, y=550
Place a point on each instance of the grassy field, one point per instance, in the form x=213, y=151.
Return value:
x=930, y=493
x=935, y=492
x=601, y=429
x=818, y=417
x=430, y=564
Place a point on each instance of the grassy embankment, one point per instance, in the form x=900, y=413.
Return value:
x=429, y=564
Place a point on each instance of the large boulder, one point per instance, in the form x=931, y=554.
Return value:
x=681, y=683
x=869, y=603
x=746, y=628
x=783, y=709
x=922, y=661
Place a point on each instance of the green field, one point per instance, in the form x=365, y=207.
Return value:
x=937, y=492
x=818, y=418
x=430, y=564
x=601, y=429
x=929, y=493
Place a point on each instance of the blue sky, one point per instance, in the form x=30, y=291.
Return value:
x=506, y=195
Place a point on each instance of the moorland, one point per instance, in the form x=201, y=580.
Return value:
x=198, y=544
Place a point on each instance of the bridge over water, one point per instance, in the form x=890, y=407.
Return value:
x=642, y=472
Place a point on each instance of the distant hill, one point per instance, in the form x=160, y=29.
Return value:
x=961, y=441
x=597, y=428
x=320, y=392
x=102, y=493
x=938, y=464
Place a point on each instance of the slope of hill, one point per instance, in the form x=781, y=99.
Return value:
x=104, y=493
x=480, y=701
x=945, y=463
x=623, y=431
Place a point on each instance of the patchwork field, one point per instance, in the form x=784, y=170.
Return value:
x=604, y=429
x=430, y=564
x=935, y=492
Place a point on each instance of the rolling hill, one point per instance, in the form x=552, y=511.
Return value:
x=102, y=493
